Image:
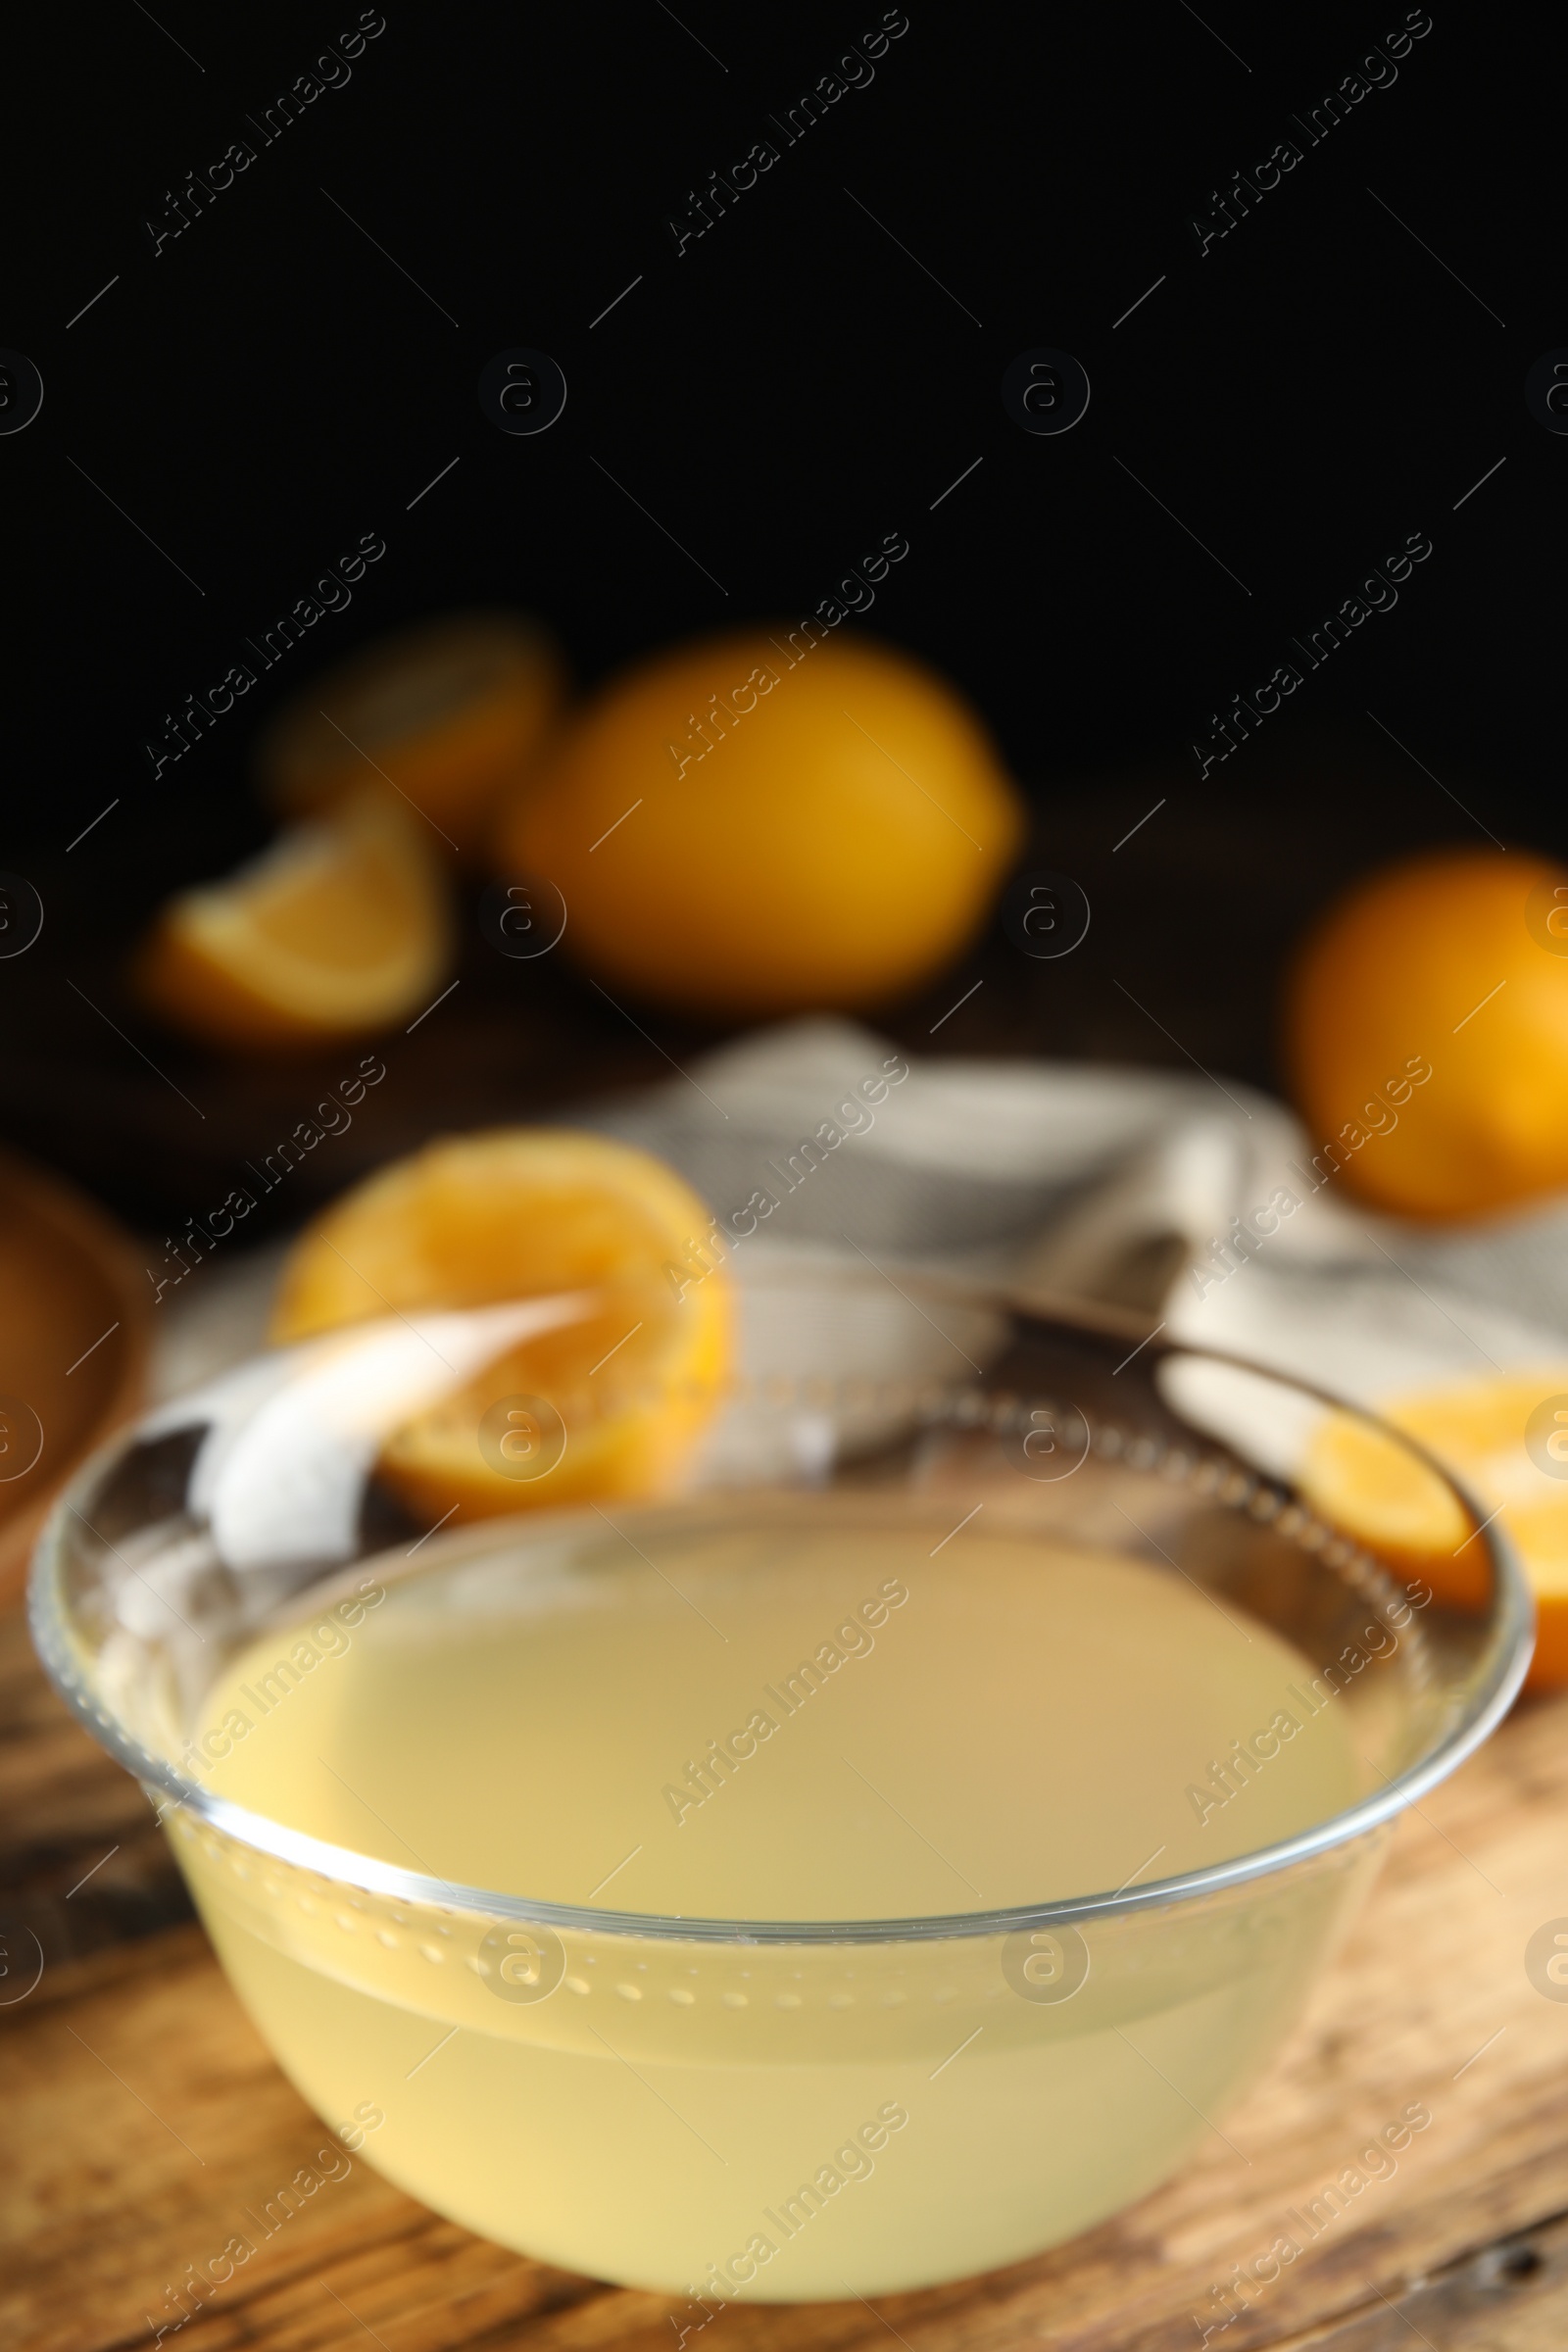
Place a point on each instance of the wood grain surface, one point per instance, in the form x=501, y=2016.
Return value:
x=144, y=2126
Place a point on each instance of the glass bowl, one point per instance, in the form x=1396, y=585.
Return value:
x=780, y=2107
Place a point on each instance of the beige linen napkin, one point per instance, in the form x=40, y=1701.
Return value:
x=1190, y=1196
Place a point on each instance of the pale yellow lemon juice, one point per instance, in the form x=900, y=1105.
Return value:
x=770, y=1710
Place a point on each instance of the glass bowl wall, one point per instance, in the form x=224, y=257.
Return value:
x=763, y=2108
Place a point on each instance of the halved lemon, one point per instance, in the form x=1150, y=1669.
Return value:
x=609, y=1403
x=1369, y=1485
x=340, y=928
x=450, y=716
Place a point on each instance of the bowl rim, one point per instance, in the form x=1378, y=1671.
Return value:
x=1505, y=1662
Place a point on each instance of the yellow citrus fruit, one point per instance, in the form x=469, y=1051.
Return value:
x=517, y=1212
x=1453, y=964
x=1387, y=1498
x=764, y=823
x=453, y=715
x=341, y=927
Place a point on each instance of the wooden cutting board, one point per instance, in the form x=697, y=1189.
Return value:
x=143, y=2118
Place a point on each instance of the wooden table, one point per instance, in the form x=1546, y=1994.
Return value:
x=139, y=2115
x=1193, y=910
x=142, y=2117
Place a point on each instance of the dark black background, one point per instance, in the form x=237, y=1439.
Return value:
x=790, y=388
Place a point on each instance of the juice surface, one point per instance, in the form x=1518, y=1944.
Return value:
x=786, y=1711
x=766, y=1720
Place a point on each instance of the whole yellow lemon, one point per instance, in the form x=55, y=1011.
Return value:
x=766, y=823
x=1426, y=1026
